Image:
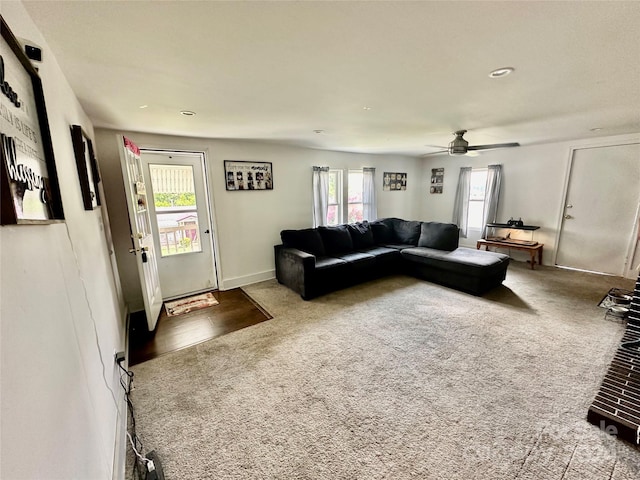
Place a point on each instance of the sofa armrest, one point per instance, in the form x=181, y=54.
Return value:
x=293, y=267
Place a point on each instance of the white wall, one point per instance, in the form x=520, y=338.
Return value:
x=62, y=316
x=248, y=223
x=534, y=179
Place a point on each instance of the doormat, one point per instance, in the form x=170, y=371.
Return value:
x=189, y=304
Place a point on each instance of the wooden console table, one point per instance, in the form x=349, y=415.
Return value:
x=532, y=249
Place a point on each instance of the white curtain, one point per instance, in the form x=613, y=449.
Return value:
x=320, y=186
x=461, y=204
x=369, y=205
x=491, y=196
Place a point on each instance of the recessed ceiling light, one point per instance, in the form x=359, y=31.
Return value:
x=143, y=106
x=187, y=113
x=366, y=108
x=595, y=129
x=501, y=72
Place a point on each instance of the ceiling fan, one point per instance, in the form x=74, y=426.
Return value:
x=459, y=146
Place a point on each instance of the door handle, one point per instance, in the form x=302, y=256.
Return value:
x=206, y=231
x=134, y=250
x=569, y=206
x=568, y=217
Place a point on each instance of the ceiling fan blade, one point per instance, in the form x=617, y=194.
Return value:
x=434, y=153
x=495, y=145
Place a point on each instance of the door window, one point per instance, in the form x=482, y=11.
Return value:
x=176, y=209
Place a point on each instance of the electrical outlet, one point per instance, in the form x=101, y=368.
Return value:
x=119, y=357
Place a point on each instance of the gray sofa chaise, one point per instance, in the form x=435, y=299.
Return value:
x=315, y=261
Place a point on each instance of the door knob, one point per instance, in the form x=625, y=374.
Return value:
x=568, y=217
x=569, y=206
x=206, y=231
x=143, y=249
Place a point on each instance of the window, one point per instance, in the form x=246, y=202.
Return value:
x=175, y=206
x=478, y=184
x=336, y=211
x=355, y=207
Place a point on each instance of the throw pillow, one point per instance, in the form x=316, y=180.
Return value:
x=336, y=239
x=307, y=240
x=442, y=236
x=361, y=234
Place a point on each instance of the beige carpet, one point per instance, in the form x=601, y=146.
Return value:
x=395, y=379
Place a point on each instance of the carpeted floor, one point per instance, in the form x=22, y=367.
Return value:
x=395, y=379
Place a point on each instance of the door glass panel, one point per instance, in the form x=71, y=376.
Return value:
x=174, y=199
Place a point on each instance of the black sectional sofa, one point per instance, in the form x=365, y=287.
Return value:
x=315, y=261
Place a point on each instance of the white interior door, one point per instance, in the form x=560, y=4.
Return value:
x=180, y=221
x=600, y=211
x=143, y=246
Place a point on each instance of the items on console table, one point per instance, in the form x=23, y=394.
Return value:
x=530, y=246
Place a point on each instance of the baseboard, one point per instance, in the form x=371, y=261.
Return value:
x=235, y=282
x=120, y=442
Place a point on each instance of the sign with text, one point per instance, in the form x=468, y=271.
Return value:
x=26, y=154
x=243, y=175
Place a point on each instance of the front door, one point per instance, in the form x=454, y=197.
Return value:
x=600, y=209
x=143, y=246
x=180, y=221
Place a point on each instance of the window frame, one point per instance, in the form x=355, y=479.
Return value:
x=476, y=201
x=342, y=193
x=338, y=174
x=361, y=202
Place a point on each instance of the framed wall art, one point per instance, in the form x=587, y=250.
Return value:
x=29, y=189
x=394, y=181
x=87, y=167
x=437, y=180
x=245, y=175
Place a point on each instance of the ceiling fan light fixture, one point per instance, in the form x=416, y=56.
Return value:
x=501, y=72
x=459, y=145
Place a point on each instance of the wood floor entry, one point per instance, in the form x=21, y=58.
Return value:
x=234, y=311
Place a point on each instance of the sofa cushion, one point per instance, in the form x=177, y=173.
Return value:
x=382, y=233
x=308, y=240
x=442, y=236
x=407, y=231
x=467, y=261
x=361, y=234
x=358, y=258
x=324, y=263
x=397, y=246
x=336, y=239
x=383, y=253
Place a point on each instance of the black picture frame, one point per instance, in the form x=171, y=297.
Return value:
x=29, y=187
x=88, y=173
x=243, y=175
x=394, y=181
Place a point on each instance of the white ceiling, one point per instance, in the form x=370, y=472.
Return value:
x=277, y=71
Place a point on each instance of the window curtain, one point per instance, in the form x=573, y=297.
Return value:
x=320, y=186
x=491, y=196
x=369, y=205
x=461, y=204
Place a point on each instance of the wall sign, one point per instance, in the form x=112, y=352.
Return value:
x=29, y=189
x=394, y=181
x=437, y=180
x=241, y=175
